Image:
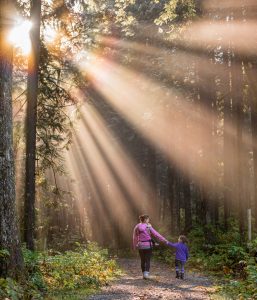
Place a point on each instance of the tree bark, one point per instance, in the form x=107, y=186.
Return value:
x=227, y=160
x=187, y=204
x=237, y=92
x=174, y=211
x=252, y=75
x=31, y=121
x=12, y=265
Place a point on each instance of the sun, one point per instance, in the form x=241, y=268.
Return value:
x=19, y=36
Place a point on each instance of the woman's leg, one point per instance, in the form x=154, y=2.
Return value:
x=142, y=257
x=148, y=254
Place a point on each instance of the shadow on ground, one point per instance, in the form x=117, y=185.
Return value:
x=162, y=284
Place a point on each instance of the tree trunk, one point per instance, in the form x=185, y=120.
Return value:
x=202, y=207
x=252, y=75
x=31, y=120
x=237, y=92
x=254, y=134
x=12, y=265
x=173, y=200
x=187, y=204
x=227, y=159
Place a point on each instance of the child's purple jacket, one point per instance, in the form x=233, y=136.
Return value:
x=182, y=252
x=142, y=235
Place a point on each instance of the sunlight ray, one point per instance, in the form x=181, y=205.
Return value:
x=104, y=178
x=174, y=64
x=132, y=180
x=81, y=188
x=225, y=34
x=175, y=112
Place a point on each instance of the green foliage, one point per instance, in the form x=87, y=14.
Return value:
x=242, y=289
x=34, y=276
x=31, y=286
x=177, y=11
x=4, y=253
x=54, y=125
x=223, y=249
x=87, y=267
x=55, y=273
x=221, y=253
x=227, y=256
x=129, y=13
x=11, y=289
x=122, y=17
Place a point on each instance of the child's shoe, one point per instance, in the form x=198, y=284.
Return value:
x=177, y=274
x=182, y=276
x=145, y=275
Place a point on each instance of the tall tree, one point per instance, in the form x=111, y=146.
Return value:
x=252, y=75
x=187, y=203
x=12, y=264
x=31, y=121
x=227, y=184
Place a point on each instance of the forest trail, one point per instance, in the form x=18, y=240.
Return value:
x=162, y=284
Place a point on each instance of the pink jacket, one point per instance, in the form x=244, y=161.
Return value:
x=142, y=235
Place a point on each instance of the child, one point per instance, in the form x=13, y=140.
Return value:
x=181, y=255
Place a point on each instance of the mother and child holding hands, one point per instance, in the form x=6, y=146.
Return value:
x=143, y=235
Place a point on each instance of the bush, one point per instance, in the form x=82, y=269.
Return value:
x=47, y=273
x=9, y=288
x=226, y=255
x=222, y=253
x=87, y=267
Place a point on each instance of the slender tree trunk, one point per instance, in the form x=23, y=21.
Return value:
x=173, y=200
x=237, y=92
x=227, y=146
x=252, y=76
x=187, y=204
x=177, y=201
x=12, y=265
x=31, y=120
x=214, y=153
x=202, y=208
x=254, y=133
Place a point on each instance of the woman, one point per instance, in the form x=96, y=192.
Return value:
x=142, y=240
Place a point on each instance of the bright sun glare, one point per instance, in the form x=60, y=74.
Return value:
x=19, y=36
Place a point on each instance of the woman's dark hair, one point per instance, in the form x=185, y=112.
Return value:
x=142, y=218
x=183, y=239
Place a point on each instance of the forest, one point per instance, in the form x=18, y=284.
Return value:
x=117, y=108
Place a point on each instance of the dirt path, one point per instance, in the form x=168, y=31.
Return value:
x=163, y=285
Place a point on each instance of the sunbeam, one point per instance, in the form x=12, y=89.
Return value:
x=176, y=127
x=114, y=83
x=122, y=165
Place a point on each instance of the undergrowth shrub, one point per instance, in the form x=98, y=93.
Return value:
x=50, y=272
x=221, y=253
x=86, y=267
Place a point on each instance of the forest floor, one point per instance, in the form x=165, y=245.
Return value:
x=162, y=285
